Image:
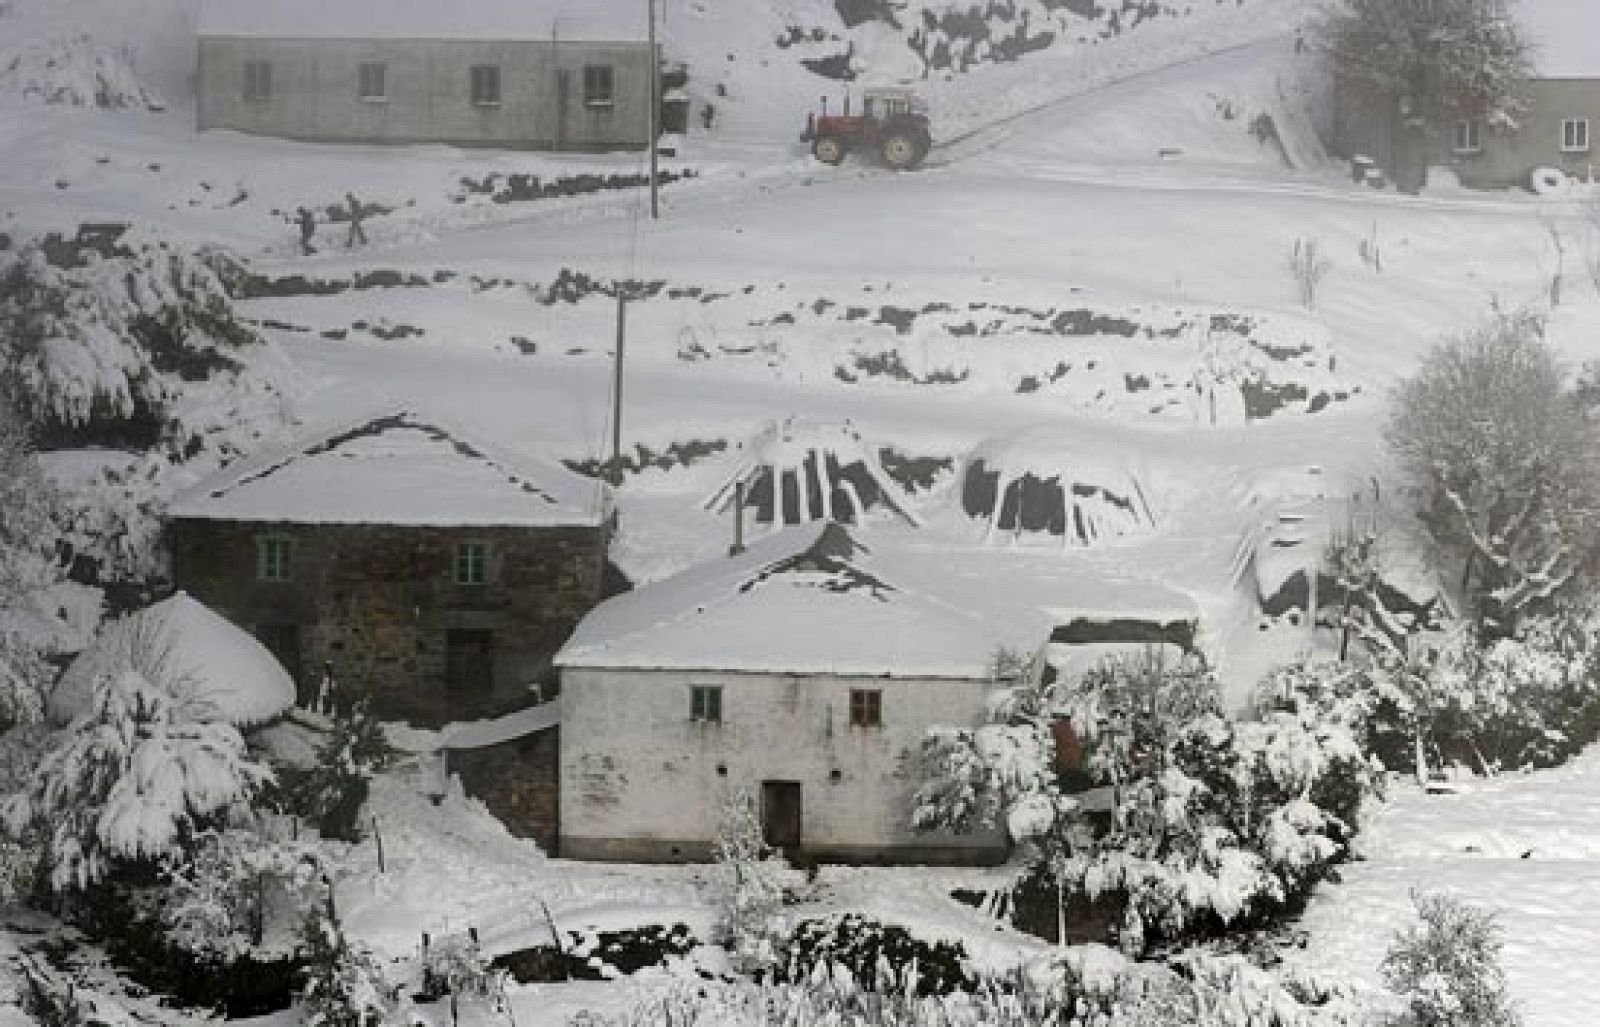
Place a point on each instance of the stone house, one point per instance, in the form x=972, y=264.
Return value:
x=539, y=74
x=798, y=669
x=1555, y=129
x=423, y=570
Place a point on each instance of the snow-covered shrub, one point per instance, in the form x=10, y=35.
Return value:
x=131, y=779
x=455, y=965
x=749, y=885
x=877, y=957
x=331, y=792
x=236, y=893
x=1447, y=966
x=343, y=985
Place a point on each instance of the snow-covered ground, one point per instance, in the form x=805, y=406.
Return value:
x=980, y=305
x=1524, y=846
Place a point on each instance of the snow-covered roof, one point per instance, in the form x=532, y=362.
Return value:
x=395, y=468
x=213, y=669
x=1565, y=34
x=564, y=20
x=808, y=599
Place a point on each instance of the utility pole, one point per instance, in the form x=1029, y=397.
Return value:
x=655, y=112
x=616, y=386
x=612, y=474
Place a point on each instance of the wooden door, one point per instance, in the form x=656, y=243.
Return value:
x=469, y=661
x=780, y=814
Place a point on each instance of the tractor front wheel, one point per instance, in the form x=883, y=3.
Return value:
x=903, y=151
x=828, y=149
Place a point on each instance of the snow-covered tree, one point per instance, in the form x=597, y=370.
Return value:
x=1504, y=464
x=343, y=984
x=749, y=885
x=332, y=791
x=1447, y=966
x=130, y=779
x=1436, y=61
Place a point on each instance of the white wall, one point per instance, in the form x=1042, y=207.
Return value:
x=639, y=779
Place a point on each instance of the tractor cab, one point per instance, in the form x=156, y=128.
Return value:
x=893, y=123
x=884, y=103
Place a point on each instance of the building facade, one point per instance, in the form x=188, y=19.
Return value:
x=401, y=562
x=469, y=73
x=796, y=672
x=831, y=759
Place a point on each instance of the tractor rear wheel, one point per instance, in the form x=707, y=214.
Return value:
x=828, y=149
x=904, y=150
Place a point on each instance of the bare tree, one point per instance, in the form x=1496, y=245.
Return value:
x=1501, y=456
x=1309, y=267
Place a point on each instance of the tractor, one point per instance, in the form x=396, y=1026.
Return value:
x=893, y=123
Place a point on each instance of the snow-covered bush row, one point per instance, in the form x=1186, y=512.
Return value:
x=1089, y=986
x=879, y=957
x=1447, y=698
x=74, y=70
x=1214, y=823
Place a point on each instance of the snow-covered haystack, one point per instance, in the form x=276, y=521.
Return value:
x=799, y=471
x=74, y=71
x=211, y=669
x=1041, y=484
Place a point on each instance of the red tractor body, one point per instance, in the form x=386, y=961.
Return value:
x=893, y=123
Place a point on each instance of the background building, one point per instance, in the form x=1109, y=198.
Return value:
x=471, y=72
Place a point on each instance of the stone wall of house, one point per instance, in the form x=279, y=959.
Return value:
x=519, y=781
x=642, y=780
x=379, y=606
x=428, y=92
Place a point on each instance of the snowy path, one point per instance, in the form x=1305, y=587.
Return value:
x=1526, y=846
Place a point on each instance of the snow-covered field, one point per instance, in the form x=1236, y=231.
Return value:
x=1093, y=259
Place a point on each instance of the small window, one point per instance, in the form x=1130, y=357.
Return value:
x=1469, y=136
x=472, y=563
x=486, y=85
x=372, y=81
x=866, y=707
x=705, y=704
x=272, y=559
x=1574, y=135
x=258, y=80
x=599, y=87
